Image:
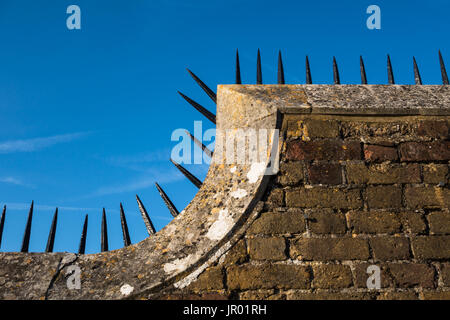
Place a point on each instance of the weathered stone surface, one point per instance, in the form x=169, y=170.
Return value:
x=359, y=173
x=407, y=275
x=275, y=199
x=374, y=222
x=291, y=173
x=384, y=197
x=413, y=222
x=435, y=295
x=438, y=129
x=325, y=173
x=435, y=173
x=425, y=151
x=431, y=247
x=210, y=279
x=313, y=128
x=237, y=254
x=326, y=221
x=279, y=223
x=323, y=197
x=445, y=273
x=439, y=222
x=427, y=197
x=248, y=277
x=327, y=295
x=390, y=248
x=267, y=248
x=324, y=150
x=324, y=249
x=398, y=295
x=332, y=276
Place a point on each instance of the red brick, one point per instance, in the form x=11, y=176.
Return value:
x=437, y=129
x=325, y=173
x=425, y=151
x=324, y=150
x=380, y=153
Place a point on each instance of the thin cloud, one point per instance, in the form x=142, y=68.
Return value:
x=35, y=144
x=141, y=183
x=15, y=181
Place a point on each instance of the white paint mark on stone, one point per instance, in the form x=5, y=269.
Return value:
x=239, y=193
x=233, y=169
x=221, y=226
x=126, y=289
x=256, y=170
x=177, y=265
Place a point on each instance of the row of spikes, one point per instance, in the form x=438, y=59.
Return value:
x=104, y=231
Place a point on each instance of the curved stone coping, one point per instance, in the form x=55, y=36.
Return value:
x=352, y=99
x=176, y=254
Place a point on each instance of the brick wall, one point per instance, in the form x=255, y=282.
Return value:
x=352, y=191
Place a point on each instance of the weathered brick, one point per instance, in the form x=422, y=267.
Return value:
x=445, y=274
x=412, y=221
x=267, y=248
x=390, y=248
x=427, y=197
x=283, y=276
x=325, y=173
x=374, y=222
x=278, y=223
x=210, y=279
x=425, y=151
x=431, y=247
x=439, y=222
x=398, y=295
x=291, y=173
x=359, y=173
x=237, y=254
x=435, y=173
x=408, y=275
x=323, y=197
x=435, y=295
x=324, y=150
x=265, y=294
x=329, y=249
x=275, y=199
x=314, y=128
x=327, y=295
x=384, y=197
x=437, y=129
x=376, y=153
x=326, y=221
x=332, y=276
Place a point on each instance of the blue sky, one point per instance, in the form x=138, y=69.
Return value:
x=87, y=115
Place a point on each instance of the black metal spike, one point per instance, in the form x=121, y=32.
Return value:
x=238, y=69
x=123, y=222
x=27, y=233
x=308, y=72
x=82, y=247
x=205, y=88
x=52, y=233
x=148, y=222
x=443, y=70
x=335, y=72
x=2, y=223
x=200, y=108
x=258, y=69
x=417, y=78
x=173, y=210
x=104, y=235
x=205, y=149
x=390, y=71
x=363, y=71
x=188, y=175
x=280, y=69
